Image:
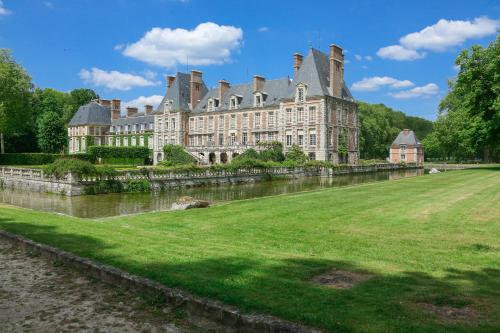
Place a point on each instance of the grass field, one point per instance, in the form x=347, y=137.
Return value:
x=430, y=244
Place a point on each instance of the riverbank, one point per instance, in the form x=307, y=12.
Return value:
x=421, y=253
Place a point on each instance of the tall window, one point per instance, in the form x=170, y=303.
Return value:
x=210, y=139
x=233, y=121
x=244, y=138
x=210, y=104
x=289, y=139
x=232, y=139
x=288, y=113
x=172, y=121
x=312, y=138
x=221, y=139
x=191, y=140
x=270, y=119
x=257, y=138
x=300, y=138
x=245, y=120
x=312, y=113
x=257, y=120
x=191, y=124
x=257, y=100
x=210, y=123
x=221, y=122
x=300, y=94
x=233, y=102
x=300, y=114
x=200, y=123
x=270, y=136
x=339, y=115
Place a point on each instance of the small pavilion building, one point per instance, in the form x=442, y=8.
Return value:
x=406, y=148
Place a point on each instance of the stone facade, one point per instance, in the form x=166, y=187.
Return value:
x=315, y=111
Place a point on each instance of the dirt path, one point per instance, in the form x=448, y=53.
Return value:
x=37, y=296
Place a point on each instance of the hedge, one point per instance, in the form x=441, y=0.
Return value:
x=176, y=155
x=120, y=155
x=27, y=158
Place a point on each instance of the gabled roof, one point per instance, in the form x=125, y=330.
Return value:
x=406, y=137
x=179, y=93
x=273, y=91
x=92, y=114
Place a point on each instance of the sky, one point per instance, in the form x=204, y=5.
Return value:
x=399, y=53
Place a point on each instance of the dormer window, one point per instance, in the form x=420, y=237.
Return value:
x=210, y=106
x=168, y=105
x=301, y=94
x=233, y=102
x=257, y=100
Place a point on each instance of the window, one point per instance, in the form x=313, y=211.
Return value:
x=270, y=119
x=312, y=139
x=166, y=124
x=168, y=105
x=133, y=141
x=233, y=102
x=289, y=139
x=403, y=157
x=257, y=138
x=245, y=120
x=339, y=115
x=210, y=105
x=191, y=124
x=143, y=126
x=141, y=141
x=125, y=141
x=257, y=120
x=221, y=122
x=233, y=121
x=126, y=128
x=210, y=139
x=232, y=139
x=257, y=100
x=221, y=139
x=300, y=94
x=151, y=126
x=200, y=123
x=270, y=136
x=210, y=123
x=172, y=122
x=300, y=138
x=312, y=114
x=300, y=115
x=117, y=142
x=191, y=140
x=288, y=116
x=244, y=139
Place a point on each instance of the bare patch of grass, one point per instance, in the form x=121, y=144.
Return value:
x=341, y=279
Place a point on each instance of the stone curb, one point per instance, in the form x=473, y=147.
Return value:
x=197, y=306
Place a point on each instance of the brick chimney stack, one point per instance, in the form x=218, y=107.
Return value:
x=170, y=80
x=336, y=70
x=105, y=102
x=258, y=82
x=115, y=108
x=195, y=87
x=297, y=62
x=131, y=111
x=223, y=88
x=148, y=109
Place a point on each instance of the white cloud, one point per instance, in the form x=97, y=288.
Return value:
x=3, y=11
x=358, y=57
x=448, y=33
x=424, y=91
x=376, y=82
x=207, y=44
x=140, y=101
x=114, y=79
x=119, y=47
x=398, y=52
x=369, y=58
x=439, y=37
x=263, y=29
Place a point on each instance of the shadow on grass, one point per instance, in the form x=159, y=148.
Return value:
x=283, y=287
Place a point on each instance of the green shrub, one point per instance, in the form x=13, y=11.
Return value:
x=176, y=155
x=120, y=155
x=247, y=162
x=271, y=151
x=82, y=156
x=64, y=165
x=249, y=153
x=138, y=185
x=296, y=154
x=28, y=158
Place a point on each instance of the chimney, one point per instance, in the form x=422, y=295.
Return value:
x=195, y=87
x=148, y=109
x=131, y=111
x=258, y=82
x=115, y=108
x=336, y=70
x=170, y=80
x=297, y=62
x=105, y=102
x=223, y=88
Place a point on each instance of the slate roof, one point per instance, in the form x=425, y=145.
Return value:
x=140, y=119
x=179, y=93
x=92, y=114
x=406, y=137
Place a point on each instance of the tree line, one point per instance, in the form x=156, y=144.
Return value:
x=34, y=119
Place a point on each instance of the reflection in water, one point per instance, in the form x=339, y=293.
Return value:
x=93, y=206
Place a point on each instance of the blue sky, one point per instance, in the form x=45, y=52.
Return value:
x=399, y=53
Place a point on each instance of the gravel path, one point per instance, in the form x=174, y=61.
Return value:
x=38, y=296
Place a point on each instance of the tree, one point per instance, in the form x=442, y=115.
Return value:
x=471, y=110
x=296, y=154
x=15, y=97
x=51, y=133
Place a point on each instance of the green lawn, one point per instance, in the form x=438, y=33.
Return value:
x=433, y=239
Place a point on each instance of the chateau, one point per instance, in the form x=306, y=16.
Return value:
x=314, y=110
x=406, y=148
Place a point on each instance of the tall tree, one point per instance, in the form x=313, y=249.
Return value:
x=471, y=110
x=15, y=97
x=51, y=133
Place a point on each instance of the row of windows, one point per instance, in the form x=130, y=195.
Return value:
x=118, y=141
x=301, y=138
x=167, y=125
x=198, y=122
x=231, y=140
x=300, y=114
x=133, y=128
x=234, y=102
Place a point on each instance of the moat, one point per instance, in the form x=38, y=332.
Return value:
x=96, y=206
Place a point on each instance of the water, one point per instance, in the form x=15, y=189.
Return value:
x=95, y=206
